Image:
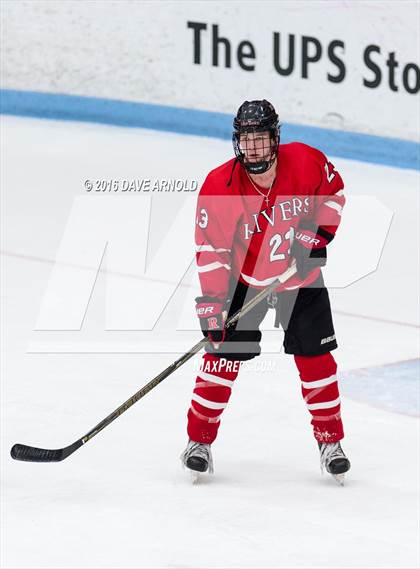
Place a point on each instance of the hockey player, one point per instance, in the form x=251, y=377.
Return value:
x=256, y=214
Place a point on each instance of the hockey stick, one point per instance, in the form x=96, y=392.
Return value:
x=34, y=454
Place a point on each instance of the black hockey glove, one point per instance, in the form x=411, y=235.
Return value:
x=309, y=248
x=212, y=317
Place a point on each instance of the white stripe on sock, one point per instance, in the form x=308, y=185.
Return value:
x=324, y=405
x=215, y=379
x=319, y=382
x=207, y=403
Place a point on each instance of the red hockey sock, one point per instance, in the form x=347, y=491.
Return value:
x=211, y=394
x=321, y=395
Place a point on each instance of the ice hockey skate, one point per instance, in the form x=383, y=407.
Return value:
x=198, y=459
x=334, y=460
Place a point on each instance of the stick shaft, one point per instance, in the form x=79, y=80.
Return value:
x=34, y=454
x=187, y=356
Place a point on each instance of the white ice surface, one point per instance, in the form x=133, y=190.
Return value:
x=123, y=500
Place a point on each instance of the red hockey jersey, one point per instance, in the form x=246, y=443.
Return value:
x=238, y=233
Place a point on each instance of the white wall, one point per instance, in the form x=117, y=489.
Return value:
x=143, y=51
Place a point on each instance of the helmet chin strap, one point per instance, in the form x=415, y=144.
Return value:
x=258, y=167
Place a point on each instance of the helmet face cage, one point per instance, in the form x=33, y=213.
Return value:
x=256, y=136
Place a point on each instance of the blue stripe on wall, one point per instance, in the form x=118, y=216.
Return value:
x=356, y=146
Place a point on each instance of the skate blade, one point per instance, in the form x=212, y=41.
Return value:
x=195, y=477
x=339, y=478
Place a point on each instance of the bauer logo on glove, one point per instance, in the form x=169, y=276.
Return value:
x=309, y=239
x=309, y=248
x=212, y=317
x=205, y=309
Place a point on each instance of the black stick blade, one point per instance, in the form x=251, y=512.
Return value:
x=34, y=454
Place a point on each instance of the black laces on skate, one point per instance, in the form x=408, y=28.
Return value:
x=328, y=452
x=200, y=450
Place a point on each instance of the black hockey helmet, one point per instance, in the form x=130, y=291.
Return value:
x=256, y=117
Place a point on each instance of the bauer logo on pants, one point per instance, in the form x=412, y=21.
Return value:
x=327, y=339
